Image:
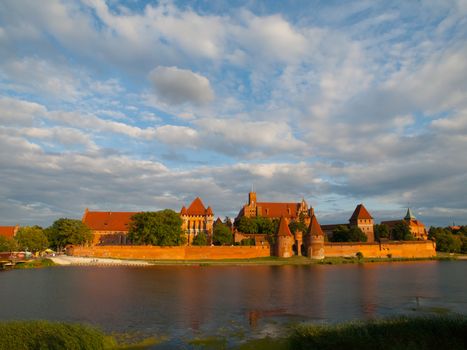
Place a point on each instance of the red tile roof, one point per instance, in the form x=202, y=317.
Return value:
x=197, y=208
x=107, y=220
x=8, y=231
x=315, y=227
x=360, y=213
x=284, y=227
x=276, y=210
x=183, y=211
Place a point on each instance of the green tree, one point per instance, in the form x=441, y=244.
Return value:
x=381, y=231
x=445, y=240
x=68, y=231
x=246, y=225
x=345, y=234
x=222, y=235
x=32, y=238
x=297, y=226
x=401, y=232
x=200, y=239
x=7, y=244
x=265, y=225
x=161, y=228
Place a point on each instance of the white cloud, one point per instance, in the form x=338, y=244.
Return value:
x=18, y=112
x=177, y=86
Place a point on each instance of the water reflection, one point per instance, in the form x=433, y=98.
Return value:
x=182, y=301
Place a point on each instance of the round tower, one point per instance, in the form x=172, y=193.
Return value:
x=316, y=240
x=284, y=240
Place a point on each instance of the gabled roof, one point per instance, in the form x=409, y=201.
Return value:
x=360, y=213
x=315, y=228
x=196, y=207
x=8, y=231
x=276, y=210
x=283, y=229
x=108, y=220
x=409, y=215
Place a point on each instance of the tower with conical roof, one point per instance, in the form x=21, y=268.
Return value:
x=284, y=239
x=315, y=239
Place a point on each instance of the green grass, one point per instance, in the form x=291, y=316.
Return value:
x=389, y=334
x=45, y=335
x=37, y=263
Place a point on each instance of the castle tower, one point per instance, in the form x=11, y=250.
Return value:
x=284, y=240
x=409, y=216
x=252, y=198
x=362, y=219
x=316, y=240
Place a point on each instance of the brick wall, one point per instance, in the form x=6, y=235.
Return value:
x=409, y=249
x=172, y=253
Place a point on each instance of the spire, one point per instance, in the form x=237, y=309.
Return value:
x=284, y=227
x=409, y=215
x=315, y=228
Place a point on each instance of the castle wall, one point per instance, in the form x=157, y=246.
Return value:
x=172, y=253
x=408, y=249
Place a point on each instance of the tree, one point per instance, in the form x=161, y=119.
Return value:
x=7, y=244
x=401, y=232
x=381, y=231
x=297, y=226
x=445, y=240
x=345, y=234
x=68, y=231
x=200, y=239
x=162, y=228
x=222, y=235
x=32, y=238
x=246, y=225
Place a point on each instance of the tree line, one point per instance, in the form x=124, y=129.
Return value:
x=57, y=236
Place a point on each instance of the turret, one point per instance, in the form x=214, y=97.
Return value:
x=316, y=239
x=284, y=239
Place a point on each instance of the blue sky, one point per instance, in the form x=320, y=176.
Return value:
x=132, y=105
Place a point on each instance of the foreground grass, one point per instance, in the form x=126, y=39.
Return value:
x=402, y=333
x=397, y=333
x=45, y=335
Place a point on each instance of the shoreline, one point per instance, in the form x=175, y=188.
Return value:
x=269, y=261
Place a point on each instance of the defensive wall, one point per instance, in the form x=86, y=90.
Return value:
x=407, y=249
x=172, y=253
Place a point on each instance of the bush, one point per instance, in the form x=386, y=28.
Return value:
x=25, y=335
x=359, y=255
x=248, y=241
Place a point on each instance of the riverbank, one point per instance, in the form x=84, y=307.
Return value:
x=267, y=261
x=394, y=333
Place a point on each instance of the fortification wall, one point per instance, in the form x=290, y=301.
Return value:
x=409, y=249
x=172, y=253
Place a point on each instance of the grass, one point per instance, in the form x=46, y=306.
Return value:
x=45, y=335
x=295, y=260
x=396, y=333
x=37, y=263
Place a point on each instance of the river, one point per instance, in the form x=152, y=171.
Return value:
x=182, y=302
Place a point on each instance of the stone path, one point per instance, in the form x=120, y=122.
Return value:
x=74, y=260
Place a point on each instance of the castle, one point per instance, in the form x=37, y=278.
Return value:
x=111, y=228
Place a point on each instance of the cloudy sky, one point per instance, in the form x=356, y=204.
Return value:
x=138, y=105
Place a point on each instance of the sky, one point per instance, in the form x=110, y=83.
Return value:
x=145, y=105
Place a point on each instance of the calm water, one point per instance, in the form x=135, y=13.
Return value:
x=183, y=302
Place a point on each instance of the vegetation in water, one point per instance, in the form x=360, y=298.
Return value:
x=36, y=263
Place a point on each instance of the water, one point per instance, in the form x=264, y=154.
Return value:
x=233, y=301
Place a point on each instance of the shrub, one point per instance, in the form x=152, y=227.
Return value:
x=200, y=239
x=359, y=255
